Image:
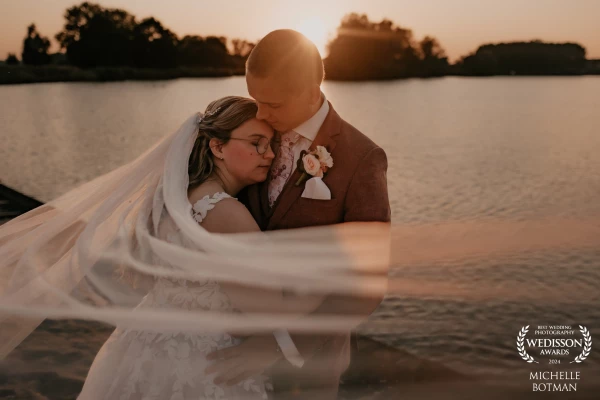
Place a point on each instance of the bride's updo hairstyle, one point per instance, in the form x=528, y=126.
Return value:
x=221, y=117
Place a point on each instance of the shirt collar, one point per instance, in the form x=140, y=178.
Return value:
x=310, y=128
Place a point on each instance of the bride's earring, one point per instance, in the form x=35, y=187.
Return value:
x=216, y=148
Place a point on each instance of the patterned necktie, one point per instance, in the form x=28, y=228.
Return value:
x=282, y=165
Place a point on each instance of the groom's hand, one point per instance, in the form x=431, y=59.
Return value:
x=238, y=363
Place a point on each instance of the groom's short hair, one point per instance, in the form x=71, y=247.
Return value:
x=287, y=54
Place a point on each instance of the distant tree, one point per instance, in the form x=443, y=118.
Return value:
x=356, y=21
x=371, y=50
x=190, y=51
x=216, y=50
x=241, y=48
x=525, y=58
x=58, y=59
x=35, y=48
x=154, y=46
x=95, y=36
x=433, y=58
x=431, y=48
x=12, y=59
x=482, y=63
x=207, y=52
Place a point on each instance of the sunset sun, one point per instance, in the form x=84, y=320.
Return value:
x=315, y=29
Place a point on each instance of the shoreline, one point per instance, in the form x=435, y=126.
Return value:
x=14, y=75
x=19, y=74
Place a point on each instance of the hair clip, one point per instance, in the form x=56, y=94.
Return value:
x=207, y=114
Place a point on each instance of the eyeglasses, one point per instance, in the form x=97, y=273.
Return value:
x=262, y=144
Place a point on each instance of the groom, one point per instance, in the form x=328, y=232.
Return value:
x=284, y=73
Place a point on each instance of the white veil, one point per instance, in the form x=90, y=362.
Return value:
x=95, y=252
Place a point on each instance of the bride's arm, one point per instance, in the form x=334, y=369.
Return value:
x=231, y=216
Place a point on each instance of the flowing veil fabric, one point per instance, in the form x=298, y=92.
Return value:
x=95, y=252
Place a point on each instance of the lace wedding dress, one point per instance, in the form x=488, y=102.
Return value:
x=145, y=365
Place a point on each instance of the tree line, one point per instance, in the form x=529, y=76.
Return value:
x=383, y=50
x=94, y=36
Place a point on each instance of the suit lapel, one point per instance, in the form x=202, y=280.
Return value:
x=290, y=192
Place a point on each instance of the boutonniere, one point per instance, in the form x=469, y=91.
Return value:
x=314, y=163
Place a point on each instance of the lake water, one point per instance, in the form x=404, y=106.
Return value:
x=459, y=149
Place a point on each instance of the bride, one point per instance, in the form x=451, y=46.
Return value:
x=232, y=149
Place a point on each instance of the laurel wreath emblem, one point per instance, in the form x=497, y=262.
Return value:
x=521, y=346
x=587, y=345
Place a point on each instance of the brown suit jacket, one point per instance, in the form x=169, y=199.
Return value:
x=358, y=185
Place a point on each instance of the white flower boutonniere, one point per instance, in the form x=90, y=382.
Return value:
x=316, y=163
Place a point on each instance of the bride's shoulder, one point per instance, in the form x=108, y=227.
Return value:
x=220, y=213
x=205, y=189
x=229, y=216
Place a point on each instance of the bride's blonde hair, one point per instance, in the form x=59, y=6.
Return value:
x=220, y=118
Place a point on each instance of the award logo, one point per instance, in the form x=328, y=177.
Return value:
x=555, y=345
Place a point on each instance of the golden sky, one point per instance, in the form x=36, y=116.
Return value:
x=460, y=25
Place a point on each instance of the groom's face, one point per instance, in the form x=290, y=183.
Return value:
x=279, y=105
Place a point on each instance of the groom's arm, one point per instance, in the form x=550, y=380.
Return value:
x=367, y=197
x=366, y=200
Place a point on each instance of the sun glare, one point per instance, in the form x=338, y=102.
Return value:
x=314, y=28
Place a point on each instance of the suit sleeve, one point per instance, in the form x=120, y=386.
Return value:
x=366, y=200
x=367, y=197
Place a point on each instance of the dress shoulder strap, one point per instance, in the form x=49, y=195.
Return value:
x=207, y=203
